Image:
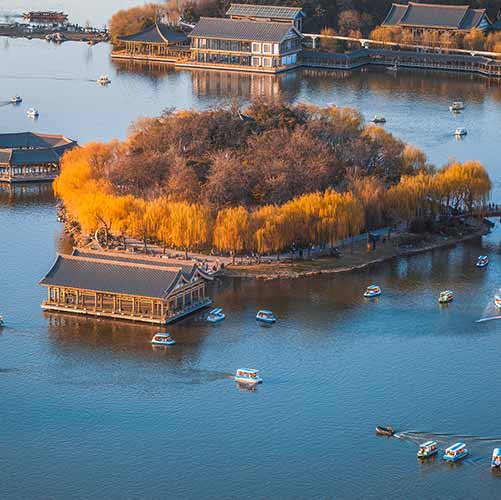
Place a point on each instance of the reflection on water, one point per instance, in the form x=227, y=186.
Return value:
x=26, y=193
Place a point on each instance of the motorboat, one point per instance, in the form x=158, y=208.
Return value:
x=162, y=339
x=378, y=119
x=15, y=99
x=266, y=316
x=496, y=458
x=446, y=296
x=385, y=431
x=456, y=106
x=1, y=320
x=248, y=376
x=32, y=113
x=103, y=80
x=372, y=291
x=497, y=301
x=216, y=315
x=427, y=449
x=482, y=261
x=460, y=132
x=455, y=452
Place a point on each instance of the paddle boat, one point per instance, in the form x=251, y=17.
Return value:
x=496, y=458
x=455, y=452
x=103, y=80
x=427, y=449
x=446, y=296
x=15, y=99
x=456, y=106
x=266, y=316
x=32, y=113
x=482, y=261
x=216, y=315
x=248, y=376
x=460, y=132
x=378, y=119
x=385, y=431
x=497, y=301
x=372, y=291
x=162, y=339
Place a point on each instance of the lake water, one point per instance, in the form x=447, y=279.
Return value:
x=90, y=410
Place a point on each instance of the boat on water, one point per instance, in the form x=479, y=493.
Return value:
x=455, y=452
x=385, y=431
x=446, y=296
x=216, y=315
x=378, y=119
x=15, y=99
x=45, y=15
x=162, y=339
x=482, y=261
x=266, y=316
x=497, y=301
x=1, y=320
x=496, y=458
x=392, y=68
x=103, y=80
x=32, y=113
x=248, y=376
x=460, y=132
x=427, y=449
x=456, y=106
x=372, y=291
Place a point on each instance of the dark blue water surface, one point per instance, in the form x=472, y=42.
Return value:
x=89, y=410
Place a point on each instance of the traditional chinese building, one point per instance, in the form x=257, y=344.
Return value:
x=30, y=156
x=116, y=285
x=242, y=44
x=156, y=42
x=269, y=13
x=419, y=17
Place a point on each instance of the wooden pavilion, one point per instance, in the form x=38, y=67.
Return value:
x=116, y=285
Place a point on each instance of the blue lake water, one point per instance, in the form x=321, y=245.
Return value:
x=90, y=410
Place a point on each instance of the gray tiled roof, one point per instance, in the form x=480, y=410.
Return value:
x=233, y=29
x=264, y=11
x=28, y=148
x=435, y=16
x=112, y=276
x=157, y=33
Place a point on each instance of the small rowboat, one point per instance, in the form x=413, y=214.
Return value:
x=482, y=261
x=15, y=99
x=460, y=132
x=266, y=316
x=455, y=452
x=385, y=431
x=32, y=113
x=378, y=119
x=162, y=339
x=446, y=296
x=372, y=291
x=497, y=301
x=1, y=320
x=427, y=449
x=216, y=315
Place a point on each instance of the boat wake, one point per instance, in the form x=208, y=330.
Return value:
x=482, y=320
x=419, y=436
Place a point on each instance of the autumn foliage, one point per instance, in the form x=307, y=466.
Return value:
x=284, y=177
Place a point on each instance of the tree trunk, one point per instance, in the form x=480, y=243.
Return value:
x=186, y=254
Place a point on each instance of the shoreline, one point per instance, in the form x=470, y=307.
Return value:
x=328, y=268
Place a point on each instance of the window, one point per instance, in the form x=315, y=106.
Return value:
x=256, y=47
x=266, y=48
x=202, y=43
x=267, y=61
x=256, y=61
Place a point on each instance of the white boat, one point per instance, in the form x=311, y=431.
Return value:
x=216, y=315
x=103, y=80
x=460, y=132
x=496, y=458
x=162, y=339
x=372, y=291
x=393, y=68
x=266, y=316
x=497, y=301
x=482, y=261
x=455, y=452
x=15, y=99
x=1, y=320
x=427, y=449
x=248, y=376
x=456, y=106
x=378, y=119
x=32, y=113
x=446, y=296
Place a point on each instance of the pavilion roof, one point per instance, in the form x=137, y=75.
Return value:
x=460, y=17
x=157, y=33
x=265, y=11
x=245, y=30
